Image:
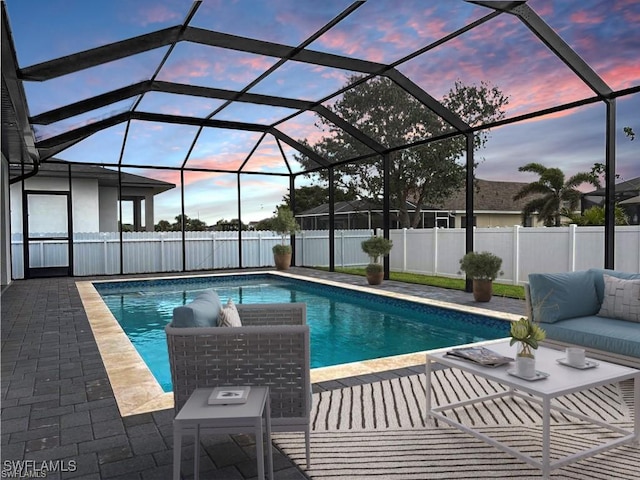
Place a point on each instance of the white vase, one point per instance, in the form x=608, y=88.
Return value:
x=526, y=367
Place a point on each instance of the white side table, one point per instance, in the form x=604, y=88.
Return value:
x=234, y=418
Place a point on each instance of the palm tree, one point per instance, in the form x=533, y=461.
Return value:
x=552, y=193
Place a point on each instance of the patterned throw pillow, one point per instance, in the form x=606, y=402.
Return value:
x=229, y=316
x=621, y=299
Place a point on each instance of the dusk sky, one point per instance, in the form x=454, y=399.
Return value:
x=503, y=52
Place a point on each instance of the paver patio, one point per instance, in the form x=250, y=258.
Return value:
x=57, y=402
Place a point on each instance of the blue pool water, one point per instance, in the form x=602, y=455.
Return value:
x=346, y=326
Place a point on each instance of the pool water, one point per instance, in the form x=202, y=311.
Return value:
x=345, y=325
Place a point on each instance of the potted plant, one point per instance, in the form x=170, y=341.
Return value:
x=482, y=268
x=285, y=224
x=527, y=334
x=376, y=247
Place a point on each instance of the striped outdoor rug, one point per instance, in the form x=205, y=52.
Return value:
x=377, y=431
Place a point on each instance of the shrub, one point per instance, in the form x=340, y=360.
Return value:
x=376, y=247
x=481, y=266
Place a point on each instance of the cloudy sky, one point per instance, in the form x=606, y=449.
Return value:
x=501, y=51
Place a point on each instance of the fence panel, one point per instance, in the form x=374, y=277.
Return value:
x=500, y=242
x=544, y=250
x=312, y=248
x=426, y=251
x=451, y=248
x=627, y=248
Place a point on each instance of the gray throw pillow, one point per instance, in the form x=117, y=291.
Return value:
x=621, y=299
x=229, y=316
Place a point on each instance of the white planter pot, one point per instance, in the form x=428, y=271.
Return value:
x=526, y=366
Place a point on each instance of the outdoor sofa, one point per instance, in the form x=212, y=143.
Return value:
x=597, y=309
x=271, y=348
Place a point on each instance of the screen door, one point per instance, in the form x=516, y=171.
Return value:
x=47, y=224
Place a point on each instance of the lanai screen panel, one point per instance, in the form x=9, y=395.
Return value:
x=174, y=104
x=386, y=113
x=502, y=53
x=222, y=149
x=258, y=114
x=207, y=66
x=303, y=81
x=157, y=144
x=594, y=27
x=48, y=130
x=148, y=251
x=286, y=22
x=385, y=32
x=101, y=148
x=209, y=202
x=84, y=84
x=307, y=129
x=267, y=158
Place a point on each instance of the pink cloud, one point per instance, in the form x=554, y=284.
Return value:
x=341, y=41
x=433, y=29
x=189, y=68
x=158, y=14
x=585, y=18
x=622, y=76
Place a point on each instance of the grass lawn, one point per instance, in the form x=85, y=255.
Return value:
x=499, y=289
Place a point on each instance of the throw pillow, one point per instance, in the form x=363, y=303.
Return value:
x=621, y=299
x=229, y=316
x=203, y=311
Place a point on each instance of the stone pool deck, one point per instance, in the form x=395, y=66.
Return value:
x=58, y=402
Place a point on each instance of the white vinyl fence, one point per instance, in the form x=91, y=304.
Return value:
x=523, y=250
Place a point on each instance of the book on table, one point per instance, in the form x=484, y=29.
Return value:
x=229, y=395
x=480, y=355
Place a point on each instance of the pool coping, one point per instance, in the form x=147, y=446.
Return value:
x=136, y=389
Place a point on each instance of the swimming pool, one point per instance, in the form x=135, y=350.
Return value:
x=346, y=325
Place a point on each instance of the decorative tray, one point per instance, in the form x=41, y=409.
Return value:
x=587, y=364
x=538, y=376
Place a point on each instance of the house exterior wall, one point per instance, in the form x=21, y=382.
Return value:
x=5, y=235
x=108, y=203
x=84, y=201
x=494, y=219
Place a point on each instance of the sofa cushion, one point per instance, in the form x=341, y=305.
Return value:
x=229, y=316
x=610, y=335
x=558, y=296
x=599, y=280
x=203, y=311
x=621, y=299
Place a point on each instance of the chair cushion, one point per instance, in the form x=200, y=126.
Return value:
x=558, y=296
x=229, y=316
x=203, y=311
x=621, y=299
x=612, y=335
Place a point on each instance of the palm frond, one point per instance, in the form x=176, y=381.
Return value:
x=534, y=188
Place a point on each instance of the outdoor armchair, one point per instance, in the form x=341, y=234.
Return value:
x=271, y=348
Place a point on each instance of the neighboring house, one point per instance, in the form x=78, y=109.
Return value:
x=362, y=214
x=93, y=198
x=627, y=195
x=493, y=207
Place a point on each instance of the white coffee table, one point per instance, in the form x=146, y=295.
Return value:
x=197, y=413
x=562, y=380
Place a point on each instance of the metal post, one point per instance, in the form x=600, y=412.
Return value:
x=469, y=204
x=292, y=200
x=386, y=205
x=182, y=222
x=610, y=188
x=239, y=222
x=332, y=230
